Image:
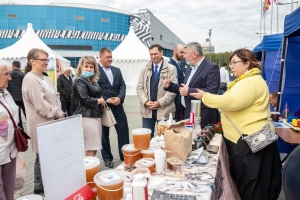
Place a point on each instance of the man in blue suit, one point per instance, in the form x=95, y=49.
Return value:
x=178, y=54
x=202, y=74
x=114, y=90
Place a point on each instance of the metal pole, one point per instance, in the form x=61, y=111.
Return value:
x=284, y=47
x=271, y=17
x=277, y=17
x=260, y=20
x=292, y=4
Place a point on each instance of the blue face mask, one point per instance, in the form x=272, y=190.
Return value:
x=86, y=74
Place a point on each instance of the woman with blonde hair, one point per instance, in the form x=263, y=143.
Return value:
x=41, y=102
x=87, y=100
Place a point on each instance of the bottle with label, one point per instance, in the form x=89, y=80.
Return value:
x=139, y=187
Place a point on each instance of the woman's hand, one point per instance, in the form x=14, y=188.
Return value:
x=199, y=94
x=101, y=101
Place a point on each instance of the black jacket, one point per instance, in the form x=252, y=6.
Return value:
x=85, y=97
x=15, y=84
x=64, y=87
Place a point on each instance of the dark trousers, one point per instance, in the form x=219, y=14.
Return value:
x=7, y=180
x=222, y=91
x=21, y=106
x=38, y=183
x=122, y=132
x=150, y=122
x=66, y=107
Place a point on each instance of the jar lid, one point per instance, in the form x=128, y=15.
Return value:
x=174, y=161
x=91, y=162
x=139, y=177
x=141, y=131
x=149, y=151
x=109, y=177
x=129, y=147
x=141, y=170
x=144, y=162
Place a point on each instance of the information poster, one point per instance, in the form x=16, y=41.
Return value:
x=61, y=153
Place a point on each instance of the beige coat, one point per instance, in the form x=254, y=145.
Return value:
x=42, y=104
x=165, y=98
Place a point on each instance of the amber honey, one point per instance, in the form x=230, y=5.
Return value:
x=104, y=194
x=146, y=162
x=148, y=154
x=130, y=157
x=90, y=173
x=141, y=142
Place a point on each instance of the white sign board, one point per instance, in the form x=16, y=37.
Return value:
x=61, y=154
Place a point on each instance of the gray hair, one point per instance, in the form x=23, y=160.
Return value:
x=195, y=47
x=4, y=65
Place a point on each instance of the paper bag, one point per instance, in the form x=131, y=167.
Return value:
x=178, y=141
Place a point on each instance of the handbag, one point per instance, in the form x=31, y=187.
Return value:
x=108, y=118
x=260, y=139
x=20, y=136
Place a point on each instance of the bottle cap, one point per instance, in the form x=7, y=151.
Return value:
x=139, y=177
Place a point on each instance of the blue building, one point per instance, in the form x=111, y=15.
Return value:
x=73, y=30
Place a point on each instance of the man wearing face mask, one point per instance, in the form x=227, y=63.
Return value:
x=114, y=90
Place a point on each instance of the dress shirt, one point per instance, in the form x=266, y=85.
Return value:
x=224, y=75
x=109, y=74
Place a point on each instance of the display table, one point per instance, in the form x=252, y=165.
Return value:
x=207, y=181
x=290, y=136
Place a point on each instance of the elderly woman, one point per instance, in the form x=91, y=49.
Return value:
x=41, y=103
x=87, y=100
x=8, y=150
x=246, y=104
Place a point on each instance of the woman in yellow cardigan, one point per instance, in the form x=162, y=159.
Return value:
x=246, y=103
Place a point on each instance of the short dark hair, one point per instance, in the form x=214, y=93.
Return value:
x=104, y=49
x=158, y=46
x=224, y=64
x=274, y=95
x=16, y=64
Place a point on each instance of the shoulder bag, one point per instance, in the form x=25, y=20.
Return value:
x=108, y=118
x=20, y=136
x=260, y=139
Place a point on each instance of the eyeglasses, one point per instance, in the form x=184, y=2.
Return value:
x=43, y=60
x=234, y=62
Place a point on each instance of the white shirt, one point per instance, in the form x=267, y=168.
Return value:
x=158, y=66
x=109, y=74
x=224, y=75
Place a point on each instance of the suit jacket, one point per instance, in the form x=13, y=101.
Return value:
x=206, y=78
x=118, y=89
x=180, y=77
x=15, y=84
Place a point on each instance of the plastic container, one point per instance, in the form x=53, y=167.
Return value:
x=131, y=155
x=31, y=197
x=146, y=162
x=141, y=138
x=92, y=167
x=109, y=184
x=139, y=187
x=148, y=153
x=161, y=126
x=160, y=160
x=141, y=170
x=172, y=161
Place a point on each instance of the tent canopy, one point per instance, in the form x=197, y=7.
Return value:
x=28, y=41
x=269, y=43
x=292, y=24
x=131, y=48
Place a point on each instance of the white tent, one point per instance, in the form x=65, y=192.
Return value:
x=19, y=50
x=131, y=56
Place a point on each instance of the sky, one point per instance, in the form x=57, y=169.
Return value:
x=233, y=23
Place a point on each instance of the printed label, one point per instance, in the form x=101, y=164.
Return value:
x=109, y=177
x=87, y=162
x=144, y=162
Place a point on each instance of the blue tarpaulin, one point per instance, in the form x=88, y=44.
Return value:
x=292, y=24
x=269, y=43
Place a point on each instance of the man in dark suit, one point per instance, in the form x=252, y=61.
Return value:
x=202, y=74
x=15, y=88
x=114, y=90
x=178, y=54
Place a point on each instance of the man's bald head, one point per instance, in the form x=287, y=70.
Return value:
x=178, y=51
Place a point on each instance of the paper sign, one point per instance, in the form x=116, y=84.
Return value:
x=61, y=155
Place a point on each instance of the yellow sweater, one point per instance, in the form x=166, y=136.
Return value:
x=246, y=104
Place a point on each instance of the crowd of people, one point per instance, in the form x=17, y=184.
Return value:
x=162, y=89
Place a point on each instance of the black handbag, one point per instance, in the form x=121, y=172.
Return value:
x=20, y=136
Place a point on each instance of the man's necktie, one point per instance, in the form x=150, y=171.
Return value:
x=155, y=73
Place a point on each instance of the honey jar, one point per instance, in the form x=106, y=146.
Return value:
x=146, y=162
x=109, y=184
x=148, y=153
x=141, y=138
x=131, y=155
x=92, y=167
x=173, y=161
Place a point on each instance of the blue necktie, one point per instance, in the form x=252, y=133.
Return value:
x=155, y=73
